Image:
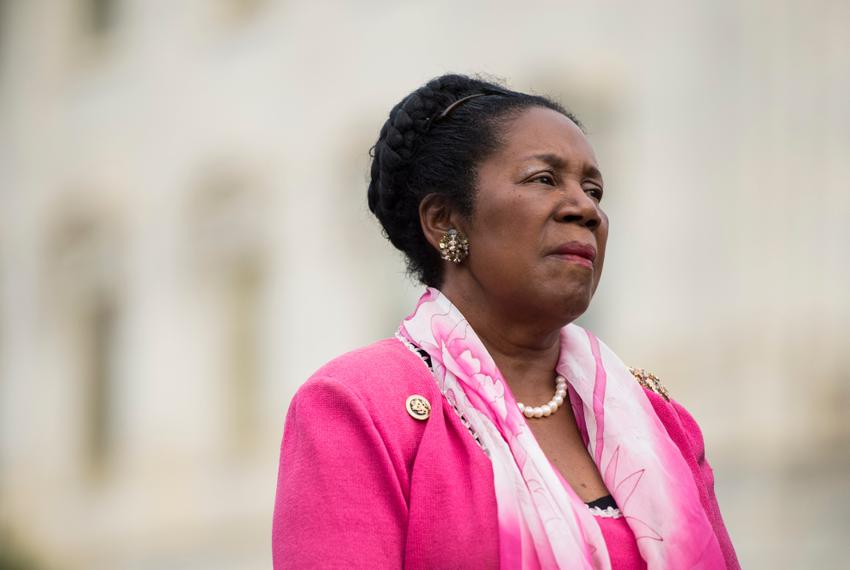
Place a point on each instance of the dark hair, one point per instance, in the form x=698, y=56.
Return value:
x=433, y=142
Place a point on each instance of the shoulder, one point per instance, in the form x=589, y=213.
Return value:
x=378, y=362
x=675, y=417
x=369, y=387
x=374, y=372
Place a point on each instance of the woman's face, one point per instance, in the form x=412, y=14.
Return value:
x=537, y=232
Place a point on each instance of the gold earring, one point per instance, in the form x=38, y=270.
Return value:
x=454, y=246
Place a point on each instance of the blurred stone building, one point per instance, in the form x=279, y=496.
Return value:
x=184, y=238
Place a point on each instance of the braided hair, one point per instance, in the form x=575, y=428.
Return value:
x=433, y=142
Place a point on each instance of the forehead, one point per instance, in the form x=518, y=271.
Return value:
x=540, y=131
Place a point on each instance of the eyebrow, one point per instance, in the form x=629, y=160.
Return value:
x=559, y=163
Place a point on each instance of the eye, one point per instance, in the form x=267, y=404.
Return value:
x=544, y=178
x=594, y=192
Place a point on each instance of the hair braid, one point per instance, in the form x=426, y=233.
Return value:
x=408, y=120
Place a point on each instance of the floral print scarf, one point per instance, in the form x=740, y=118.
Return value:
x=542, y=521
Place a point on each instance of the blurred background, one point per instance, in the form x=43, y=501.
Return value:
x=184, y=238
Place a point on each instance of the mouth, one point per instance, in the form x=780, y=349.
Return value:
x=576, y=252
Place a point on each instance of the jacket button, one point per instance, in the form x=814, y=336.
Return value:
x=418, y=407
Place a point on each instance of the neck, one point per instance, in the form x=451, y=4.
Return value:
x=525, y=349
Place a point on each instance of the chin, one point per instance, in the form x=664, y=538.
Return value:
x=570, y=302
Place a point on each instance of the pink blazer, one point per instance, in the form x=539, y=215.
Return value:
x=362, y=484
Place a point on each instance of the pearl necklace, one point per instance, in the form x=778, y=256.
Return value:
x=549, y=407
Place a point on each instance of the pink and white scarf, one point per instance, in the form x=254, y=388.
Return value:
x=542, y=522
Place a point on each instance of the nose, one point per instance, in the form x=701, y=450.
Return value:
x=577, y=207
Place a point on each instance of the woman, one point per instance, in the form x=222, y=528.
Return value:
x=490, y=432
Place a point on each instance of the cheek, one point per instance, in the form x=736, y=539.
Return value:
x=505, y=222
x=601, y=243
x=602, y=239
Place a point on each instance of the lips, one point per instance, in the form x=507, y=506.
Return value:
x=576, y=249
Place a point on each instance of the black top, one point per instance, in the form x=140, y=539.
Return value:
x=603, y=503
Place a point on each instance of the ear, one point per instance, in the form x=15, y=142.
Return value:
x=437, y=216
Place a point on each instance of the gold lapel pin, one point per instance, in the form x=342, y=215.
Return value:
x=418, y=407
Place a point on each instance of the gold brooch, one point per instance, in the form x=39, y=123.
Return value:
x=650, y=381
x=418, y=407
